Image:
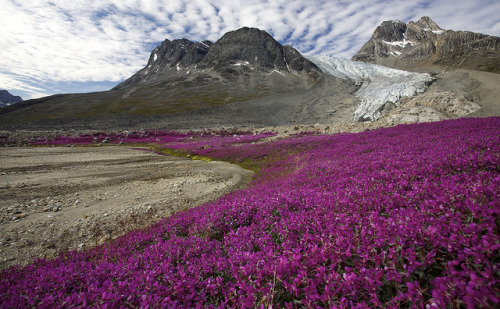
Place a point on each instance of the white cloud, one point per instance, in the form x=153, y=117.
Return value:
x=109, y=40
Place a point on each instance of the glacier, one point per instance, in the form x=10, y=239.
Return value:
x=379, y=85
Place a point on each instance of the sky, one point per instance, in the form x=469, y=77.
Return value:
x=62, y=46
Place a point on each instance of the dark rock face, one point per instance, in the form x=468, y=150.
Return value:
x=423, y=44
x=391, y=31
x=239, y=52
x=254, y=46
x=7, y=99
x=169, y=54
x=182, y=51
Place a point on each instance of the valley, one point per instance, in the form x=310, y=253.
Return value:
x=241, y=174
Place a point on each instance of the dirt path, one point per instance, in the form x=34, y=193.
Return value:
x=58, y=198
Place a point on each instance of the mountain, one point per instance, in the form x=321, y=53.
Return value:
x=184, y=79
x=465, y=67
x=247, y=79
x=238, y=54
x=423, y=44
x=170, y=54
x=244, y=64
x=7, y=99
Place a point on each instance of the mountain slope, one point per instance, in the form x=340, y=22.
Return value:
x=7, y=99
x=244, y=64
x=183, y=77
x=423, y=44
x=381, y=88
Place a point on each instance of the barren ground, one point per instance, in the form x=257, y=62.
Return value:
x=61, y=198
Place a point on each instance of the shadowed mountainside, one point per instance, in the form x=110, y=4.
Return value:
x=182, y=77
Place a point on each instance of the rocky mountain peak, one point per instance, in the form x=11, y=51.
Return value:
x=182, y=52
x=246, y=46
x=237, y=53
x=176, y=54
x=426, y=23
x=424, y=44
x=391, y=30
x=7, y=99
x=258, y=49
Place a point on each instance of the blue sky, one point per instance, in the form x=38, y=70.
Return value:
x=61, y=46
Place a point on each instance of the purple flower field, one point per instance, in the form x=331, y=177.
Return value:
x=174, y=140
x=400, y=217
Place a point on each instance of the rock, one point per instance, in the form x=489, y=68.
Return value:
x=7, y=99
x=446, y=102
x=423, y=43
x=18, y=216
x=414, y=114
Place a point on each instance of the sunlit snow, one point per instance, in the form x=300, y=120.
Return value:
x=399, y=43
x=276, y=71
x=434, y=31
x=237, y=64
x=379, y=84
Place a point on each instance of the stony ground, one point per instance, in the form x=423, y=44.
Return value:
x=62, y=198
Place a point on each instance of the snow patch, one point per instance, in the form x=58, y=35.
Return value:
x=379, y=85
x=276, y=71
x=237, y=64
x=178, y=67
x=155, y=57
x=402, y=43
x=284, y=59
x=434, y=31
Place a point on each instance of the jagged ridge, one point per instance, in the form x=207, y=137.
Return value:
x=422, y=44
x=237, y=53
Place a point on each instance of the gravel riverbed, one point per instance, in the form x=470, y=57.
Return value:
x=74, y=198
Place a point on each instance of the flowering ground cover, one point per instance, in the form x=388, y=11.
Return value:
x=171, y=139
x=400, y=217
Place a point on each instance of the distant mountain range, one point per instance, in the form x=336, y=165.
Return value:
x=7, y=99
x=248, y=79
